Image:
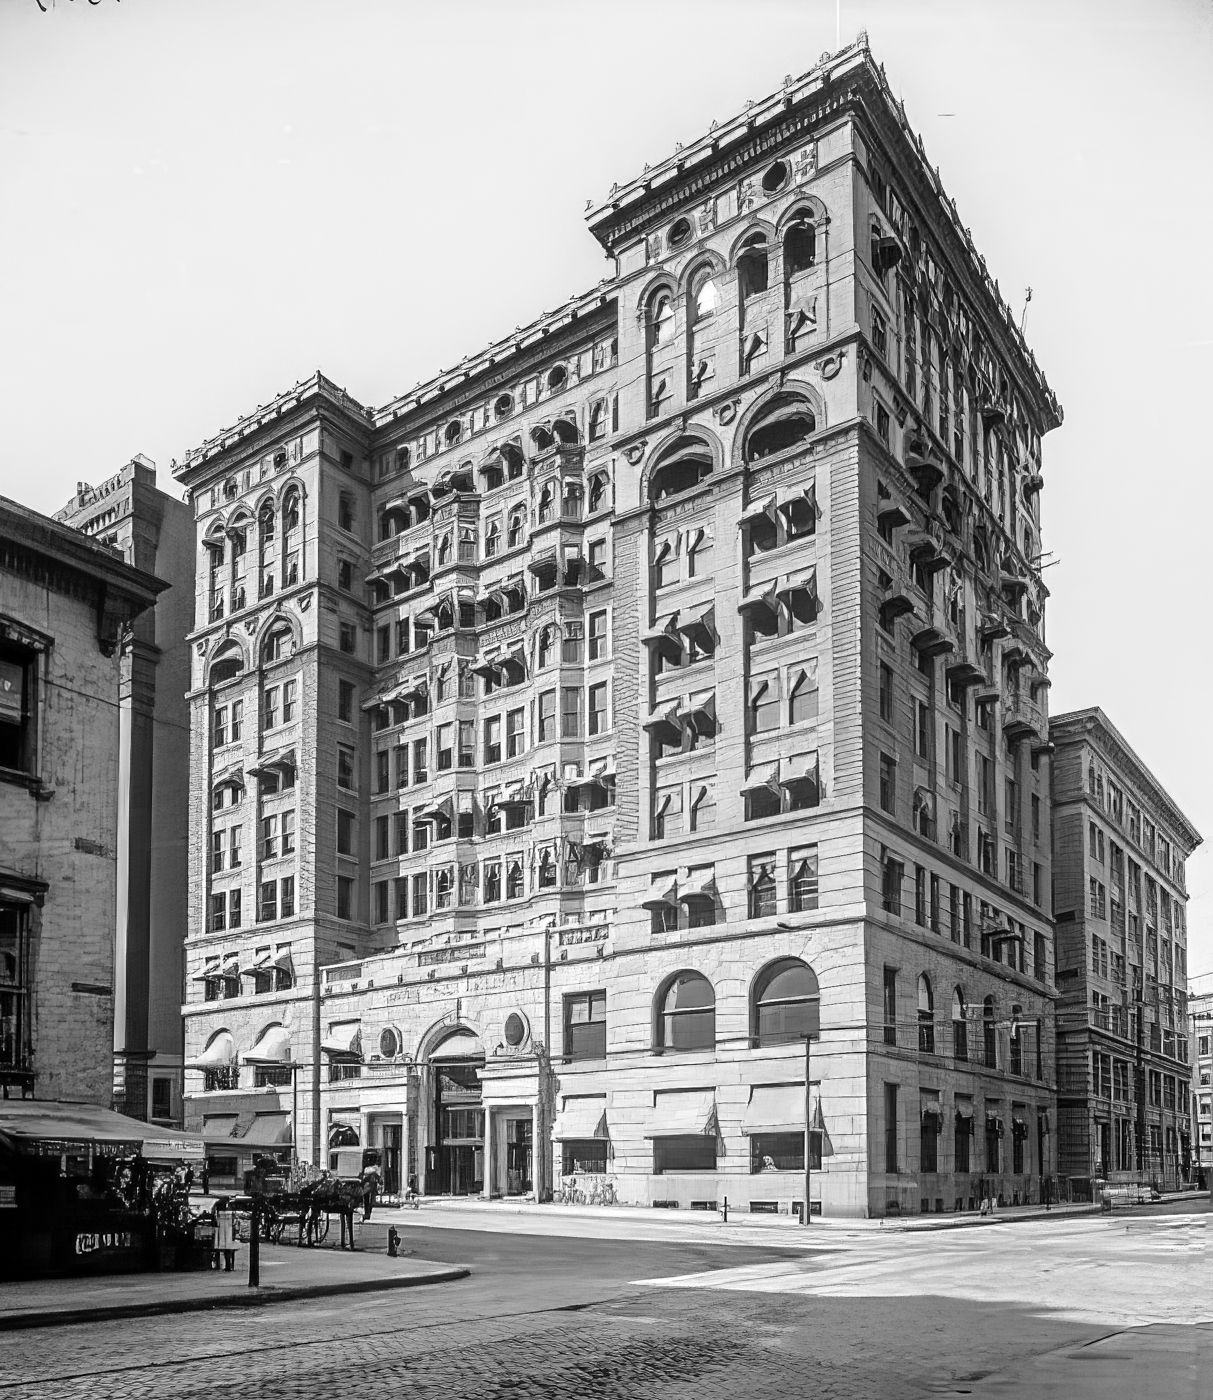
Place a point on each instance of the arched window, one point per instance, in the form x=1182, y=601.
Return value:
x=960, y=1026
x=989, y=1034
x=786, y=1003
x=516, y=527
x=265, y=541
x=661, y=319
x=799, y=248
x=445, y=617
x=546, y=498
x=492, y=539
x=598, y=489
x=686, y=1013
x=926, y=1016
x=454, y=431
x=785, y=421
x=681, y=468
x=564, y=430
x=704, y=299
x=598, y=420
x=277, y=644
x=752, y=267
x=226, y=665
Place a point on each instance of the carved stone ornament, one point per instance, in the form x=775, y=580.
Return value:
x=726, y=412
x=305, y=602
x=250, y=625
x=706, y=216
x=865, y=365
x=829, y=367
x=745, y=196
x=805, y=166
x=655, y=247
x=636, y=451
x=203, y=647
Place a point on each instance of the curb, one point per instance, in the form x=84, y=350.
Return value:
x=250, y=1298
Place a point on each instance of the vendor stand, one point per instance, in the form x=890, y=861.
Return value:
x=76, y=1189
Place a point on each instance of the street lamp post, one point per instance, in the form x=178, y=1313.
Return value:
x=812, y=1031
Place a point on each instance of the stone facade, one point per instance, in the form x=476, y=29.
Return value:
x=65, y=605
x=154, y=532
x=667, y=671
x=1120, y=910
x=1200, y=1042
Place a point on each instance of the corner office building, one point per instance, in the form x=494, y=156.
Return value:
x=561, y=729
x=1120, y=905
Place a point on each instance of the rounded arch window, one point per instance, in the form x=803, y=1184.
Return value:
x=226, y=666
x=799, y=248
x=775, y=178
x=389, y=1043
x=680, y=232
x=343, y=1135
x=704, y=295
x=752, y=265
x=686, y=1014
x=680, y=469
x=265, y=521
x=290, y=511
x=565, y=432
x=504, y=405
x=454, y=431
x=515, y=1030
x=557, y=378
x=785, y=421
x=786, y=1003
x=277, y=644
x=661, y=319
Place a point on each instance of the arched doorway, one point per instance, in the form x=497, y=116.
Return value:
x=455, y=1161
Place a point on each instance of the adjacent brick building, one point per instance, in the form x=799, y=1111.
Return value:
x=155, y=532
x=65, y=605
x=565, y=731
x=1200, y=1043
x=1120, y=909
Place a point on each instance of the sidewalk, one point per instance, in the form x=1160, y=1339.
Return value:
x=287, y=1274
x=521, y=1216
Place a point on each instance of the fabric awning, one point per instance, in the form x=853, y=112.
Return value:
x=220, y=1125
x=700, y=619
x=268, y=1130
x=763, y=507
x=662, y=896
x=230, y=776
x=664, y=714
x=765, y=777
x=762, y=595
x=441, y=809
x=691, y=1113
x=700, y=889
x=664, y=631
x=274, y=761
x=798, y=500
x=775, y=1108
x=284, y=961
x=581, y=1118
x=26, y=1122
x=219, y=1054
x=274, y=1048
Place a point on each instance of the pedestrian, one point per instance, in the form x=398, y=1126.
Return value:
x=225, y=1234
x=370, y=1185
x=206, y=1177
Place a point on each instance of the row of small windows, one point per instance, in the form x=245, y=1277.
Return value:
x=278, y=535
x=1020, y=1032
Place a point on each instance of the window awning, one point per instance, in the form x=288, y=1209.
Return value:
x=414, y=687
x=699, y=620
x=339, y=1044
x=766, y=507
x=230, y=776
x=268, y=1130
x=274, y=1048
x=581, y=1118
x=488, y=664
x=274, y=762
x=799, y=503
x=800, y=591
x=662, y=897
x=762, y=595
x=806, y=770
x=284, y=961
x=775, y=1108
x=765, y=777
x=663, y=715
x=444, y=808
x=219, y=1054
x=691, y=1113
x=665, y=631
x=220, y=1125
x=699, y=889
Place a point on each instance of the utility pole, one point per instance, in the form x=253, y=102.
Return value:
x=812, y=1030
x=1140, y=1083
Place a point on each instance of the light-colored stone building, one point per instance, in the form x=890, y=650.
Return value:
x=585, y=718
x=1120, y=911
x=1200, y=1042
x=65, y=605
x=155, y=532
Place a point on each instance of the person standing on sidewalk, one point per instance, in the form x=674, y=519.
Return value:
x=225, y=1234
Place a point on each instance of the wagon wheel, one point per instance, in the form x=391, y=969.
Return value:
x=322, y=1228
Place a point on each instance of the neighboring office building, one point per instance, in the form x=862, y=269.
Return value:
x=1200, y=1011
x=65, y=605
x=154, y=532
x=1120, y=912
x=562, y=729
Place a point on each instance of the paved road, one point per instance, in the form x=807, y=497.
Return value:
x=555, y=1317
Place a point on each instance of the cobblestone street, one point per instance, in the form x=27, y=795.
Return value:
x=563, y=1317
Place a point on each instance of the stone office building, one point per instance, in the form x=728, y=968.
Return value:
x=1120, y=909
x=1200, y=1043
x=155, y=532
x=565, y=731
x=65, y=605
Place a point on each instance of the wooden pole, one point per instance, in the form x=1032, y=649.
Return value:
x=808, y=1132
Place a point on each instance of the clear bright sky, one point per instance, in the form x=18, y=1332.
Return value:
x=206, y=200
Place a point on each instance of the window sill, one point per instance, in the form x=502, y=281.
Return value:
x=17, y=777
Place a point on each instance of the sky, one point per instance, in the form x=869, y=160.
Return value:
x=203, y=201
